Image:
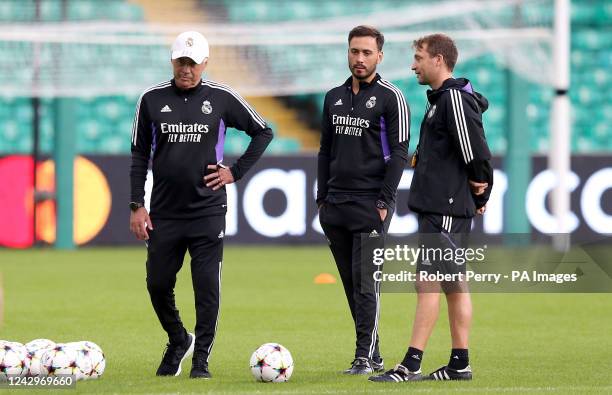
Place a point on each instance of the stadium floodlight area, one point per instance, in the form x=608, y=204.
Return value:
x=84, y=59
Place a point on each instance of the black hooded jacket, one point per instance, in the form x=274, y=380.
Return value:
x=452, y=150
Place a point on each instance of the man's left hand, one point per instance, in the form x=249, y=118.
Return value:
x=222, y=176
x=383, y=213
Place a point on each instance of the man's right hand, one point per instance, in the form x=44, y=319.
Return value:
x=139, y=222
x=478, y=188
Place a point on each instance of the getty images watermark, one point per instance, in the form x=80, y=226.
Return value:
x=484, y=263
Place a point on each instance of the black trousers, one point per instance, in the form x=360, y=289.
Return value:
x=343, y=224
x=168, y=242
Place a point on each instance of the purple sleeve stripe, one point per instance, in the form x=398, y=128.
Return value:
x=220, y=142
x=153, y=137
x=384, y=140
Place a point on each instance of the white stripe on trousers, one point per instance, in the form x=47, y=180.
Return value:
x=375, y=330
x=447, y=223
x=218, y=313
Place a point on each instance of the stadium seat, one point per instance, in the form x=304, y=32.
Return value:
x=51, y=10
x=17, y=10
x=590, y=93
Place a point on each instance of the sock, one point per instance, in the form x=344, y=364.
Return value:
x=412, y=359
x=459, y=359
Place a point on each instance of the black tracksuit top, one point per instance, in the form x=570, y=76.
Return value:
x=452, y=150
x=364, y=142
x=183, y=131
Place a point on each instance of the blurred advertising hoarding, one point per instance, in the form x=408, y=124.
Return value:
x=274, y=202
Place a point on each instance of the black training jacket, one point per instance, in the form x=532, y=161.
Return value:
x=364, y=141
x=452, y=150
x=183, y=131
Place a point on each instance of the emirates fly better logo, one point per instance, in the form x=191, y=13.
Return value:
x=348, y=125
x=183, y=133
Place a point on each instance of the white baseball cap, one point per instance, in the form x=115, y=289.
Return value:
x=192, y=45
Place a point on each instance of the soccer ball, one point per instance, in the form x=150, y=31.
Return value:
x=36, y=348
x=13, y=359
x=91, y=357
x=91, y=346
x=271, y=363
x=98, y=364
x=64, y=360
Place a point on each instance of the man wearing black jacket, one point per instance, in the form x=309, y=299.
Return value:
x=364, y=150
x=452, y=182
x=180, y=126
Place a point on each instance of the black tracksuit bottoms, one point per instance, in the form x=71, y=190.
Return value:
x=343, y=224
x=167, y=245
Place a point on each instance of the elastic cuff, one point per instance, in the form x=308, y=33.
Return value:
x=234, y=174
x=382, y=199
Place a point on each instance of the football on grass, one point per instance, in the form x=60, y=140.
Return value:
x=271, y=363
x=64, y=360
x=36, y=348
x=90, y=355
x=13, y=360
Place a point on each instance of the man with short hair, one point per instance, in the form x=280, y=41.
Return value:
x=452, y=182
x=180, y=125
x=364, y=150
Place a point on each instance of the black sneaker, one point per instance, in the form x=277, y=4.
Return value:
x=360, y=365
x=199, y=367
x=398, y=374
x=446, y=373
x=378, y=366
x=174, y=356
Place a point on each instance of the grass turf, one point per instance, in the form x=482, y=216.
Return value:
x=522, y=343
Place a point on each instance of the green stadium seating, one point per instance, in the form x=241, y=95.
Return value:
x=237, y=141
x=104, y=123
x=78, y=10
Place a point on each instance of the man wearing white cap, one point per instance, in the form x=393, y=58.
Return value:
x=180, y=126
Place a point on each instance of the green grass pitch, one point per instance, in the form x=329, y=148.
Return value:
x=523, y=343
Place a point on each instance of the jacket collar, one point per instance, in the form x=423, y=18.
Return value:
x=362, y=84
x=187, y=92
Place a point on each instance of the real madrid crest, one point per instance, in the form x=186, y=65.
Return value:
x=206, y=107
x=372, y=102
x=431, y=111
x=189, y=42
